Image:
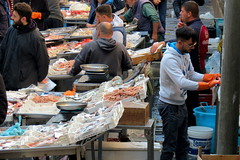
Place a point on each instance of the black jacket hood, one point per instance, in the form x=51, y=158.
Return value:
x=106, y=44
x=27, y=28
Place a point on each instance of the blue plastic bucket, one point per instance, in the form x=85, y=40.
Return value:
x=206, y=119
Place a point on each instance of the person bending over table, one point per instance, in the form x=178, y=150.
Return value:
x=147, y=17
x=104, y=14
x=104, y=50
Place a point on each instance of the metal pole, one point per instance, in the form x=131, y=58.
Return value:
x=227, y=130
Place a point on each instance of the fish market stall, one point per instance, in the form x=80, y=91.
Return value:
x=55, y=36
x=53, y=137
x=77, y=13
x=144, y=55
x=38, y=108
x=54, y=50
x=135, y=41
x=71, y=53
x=71, y=128
x=81, y=33
x=58, y=74
x=15, y=101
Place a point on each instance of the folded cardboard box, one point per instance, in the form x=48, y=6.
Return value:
x=135, y=113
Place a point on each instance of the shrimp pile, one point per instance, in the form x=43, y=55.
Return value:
x=53, y=37
x=45, y=99
x=54, y=50
x=124, y=93
x=64, y=65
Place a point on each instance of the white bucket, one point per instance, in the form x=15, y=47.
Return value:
x=199, y=136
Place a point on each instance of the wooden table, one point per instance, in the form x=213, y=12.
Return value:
x=148, y=57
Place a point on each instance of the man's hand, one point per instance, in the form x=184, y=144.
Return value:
x=210, y=77
x=88, y=25
x=69, y=71
x=207, y=85
x=213, y=83
x=156, y=45
x=155, y=37
x=181, y=24
x=44, y=81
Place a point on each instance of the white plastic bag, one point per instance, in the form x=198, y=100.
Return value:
x=47, y=85
x=213, y=63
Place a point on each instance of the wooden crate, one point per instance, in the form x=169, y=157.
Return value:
x=148, y=57
x=219, y=157
x=216, y=157
x=135, y=113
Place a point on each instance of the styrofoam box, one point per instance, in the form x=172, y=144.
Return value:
x=124, y=150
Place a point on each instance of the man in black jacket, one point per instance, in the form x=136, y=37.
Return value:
x=3, y=101
x=4, y=18
x=40, y=11
x=104, y=50
x=23, y=54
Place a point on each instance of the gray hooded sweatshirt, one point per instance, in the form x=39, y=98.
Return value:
x=104, y=51
x=177, y=75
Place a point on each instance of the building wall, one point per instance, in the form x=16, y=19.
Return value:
x=218, y=7
x=222, y=5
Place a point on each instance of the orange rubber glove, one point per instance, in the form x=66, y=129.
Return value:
x=213, y=83
x=37, y=15
x=202, y=86
x=207, y=85
x=210, y=77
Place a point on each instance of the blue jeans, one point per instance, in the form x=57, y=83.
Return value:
x=175, y=125
x=162, y=9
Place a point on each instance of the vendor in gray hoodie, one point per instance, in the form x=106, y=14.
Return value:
x=104, y=50
x=178, y=76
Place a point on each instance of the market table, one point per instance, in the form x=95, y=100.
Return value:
x=149, y=134
x=71, y=38
x=61, y=77
x=33, y=118
x=64, y=82
x=75, y=21
x=41, y=151
x=68, y=55
x=85, y=86
x=140, y=43
x=53, y=150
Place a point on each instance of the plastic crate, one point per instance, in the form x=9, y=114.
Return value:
x=219, y=22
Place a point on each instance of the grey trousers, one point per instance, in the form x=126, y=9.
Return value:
x=175, y=125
